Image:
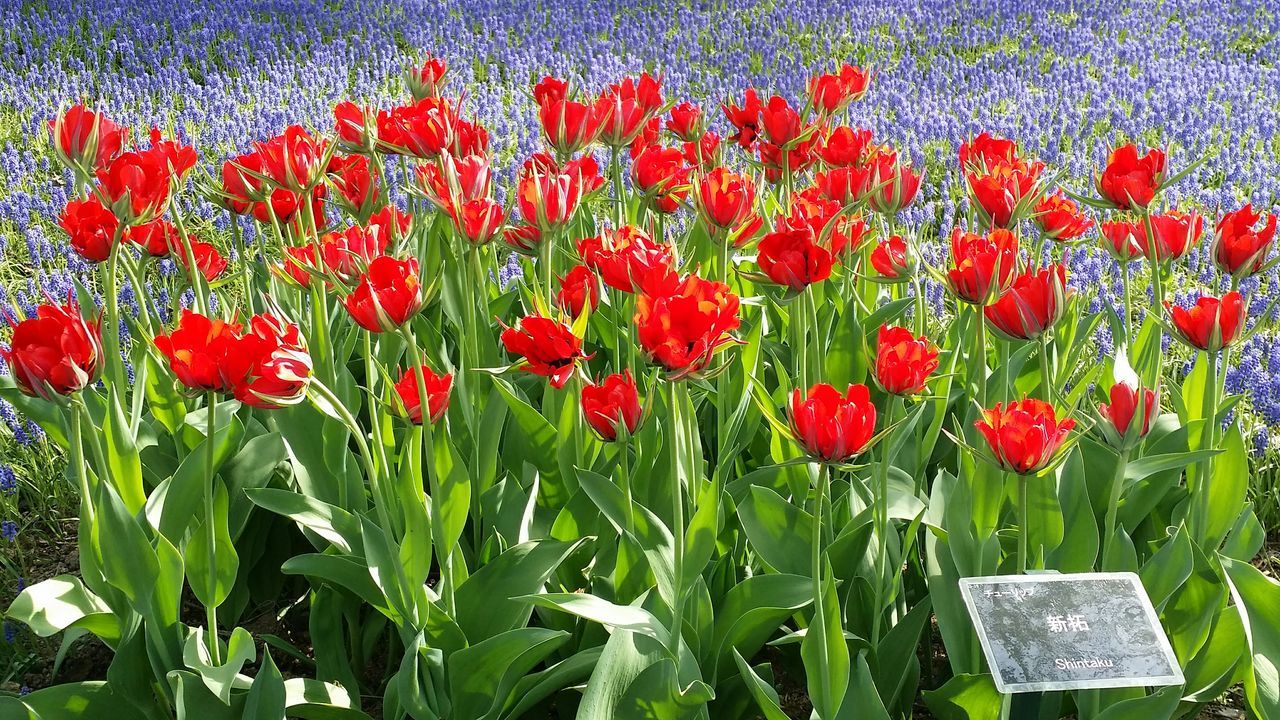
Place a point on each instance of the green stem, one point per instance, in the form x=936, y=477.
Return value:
x=1113, y=507
x=545, y=257
x=111, y=333
x=1204, y=476
x=882, y=529
x=362, y=447
x=815, y=550
x=677, y=518
x=980, y=357
x=211, y=611
x=624, y=477
x=615, y=169
x=1022, y=524
x=1048, y=390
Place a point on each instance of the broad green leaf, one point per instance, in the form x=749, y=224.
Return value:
x=482, y=676
x=488, y=602
x=658, y=694
x=826, y=654
x=779, y=531
x=124, y=463
x=63, y=602
x=128, y=560
x=751, y=612
x=965, y=697
x=1157, y=705
x=266, y=697
x=70, y=701
x=536, y=687
x=220, y=677
x=212, y=562
x=765, y=696
x=621, y=617
x=328, y=521
x=1257, y=599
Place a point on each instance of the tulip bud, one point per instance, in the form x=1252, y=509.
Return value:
x=437, y=387
x=388, y=295
x=57, y=352
x=612, y=405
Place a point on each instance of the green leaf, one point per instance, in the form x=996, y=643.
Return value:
x=123, y=461
x=489, y=603
x=176, y=503
x=450, y=494
x=128, y=561
x=1157, y=705
x=763, y=693
x=965, y=697
x=1229, y=487
x=826, y=654
x=347, y=572
x=646, y=529
x=71, y=701
x=315, y=700
x=483, y=676
x=219, y=678
x=897, y=653
x=163, y=399
x=777, y=530
x=1257, y=600
x=620, y=617
x=751, y=612
x=1213, y=669
x=62, y=603
x=1168, y=568
x=328, y=521
x=534, y=688
x=658, y=694
x=212, y=562
x=266, y=697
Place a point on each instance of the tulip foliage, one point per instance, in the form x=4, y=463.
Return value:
x=710, y=437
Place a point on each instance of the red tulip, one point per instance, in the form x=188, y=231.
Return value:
x=295, y=159
x=845, y=147
x=355, y=127
x=87, y=139
x=1034, y=303
x=268, y=367
x=355, y=179
x=578, y=288
x=892, y=260
x=137, y=185
x=479, y=221
x=438, y=388
x=422, y=130
x=57, y=352
x=197, y=351
x=647, y=137
x=244, y=192
x=569, y=126
x=811, y=210
x=208, y=260
x=904, y=362
x=523, y=239
x=725, y=199
x=1129, y=181
x=178, y=158
x=626, y=107
x=792, y=258
x=157, y=237
x=1240, y=247
x=686, y=122
x=830, y=93
x=546, y=347
x=393, y=224
x=91, y=228
x=898, y=183
x=1212, y=323
x=625, y=256
x=661, y=174
x=1122, y=239
x=745, y=119
x=469, y=138
x=1003, y=192
x=1175, y=234
x=548, y=194
x=427, y=79
x=844, y=185
x=832, y=427
x=683, y=324
x=611, y=404
x=704, y=154
x=388, y=295
x=1024, y=436
x=1060, y=218
x=792, y=160
x=983, y=265
x=452, y=181
x=780, y=121
x=1127, y=402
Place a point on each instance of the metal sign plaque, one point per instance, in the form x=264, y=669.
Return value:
x=1069, y=632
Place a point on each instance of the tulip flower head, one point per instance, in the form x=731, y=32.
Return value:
x=438, y=389
x=546, y=347
x=1034, y=303
x=579, y=289
x=1240, y=246
x=388, y=294
x=1175, y=233
x=268, y=367
x=1130, y=181
x=427, y=79
x=1126, y=420
x=904, y=362
x=893, y=260
x=91, y=227
x=1060, y=218
x=198, y=350
x=793, y=259
x=725, y=199
x=136, y=185
x=57, y=352
x=1211, y=324
x=1121, y=239
x=830, y=426
x=611, y=405
x=625, y=257
x=625, y=108
x=86, y=139
x=982, y=265
x=1024, y=436
x=686, y=122
x=682, y=325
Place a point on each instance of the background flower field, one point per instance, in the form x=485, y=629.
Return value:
x=1066, y=82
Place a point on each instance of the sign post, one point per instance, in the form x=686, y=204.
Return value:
x=1069, y=632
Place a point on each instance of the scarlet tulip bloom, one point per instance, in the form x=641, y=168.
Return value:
x=157, y=237
x=1240, y=247
x=661, y=174
x=355, y=127
x=1129, y=181
x=624, y=256
x=546, y=347
x=394, y=224
x=578, y=288
x=1122, y=239
x=1060, y=219
x=427, y=79
x=1034, y=303
x=1212, y=323
x=612, y=403
x=780, y=121
x=388, y=295
x=355, y=179
x=985, y=151
x=891, y=259
x=811, y=210
x=85, y=138
x=832, y=92
x=791, y=258
x=469, y=138
x=178, y=157
x=90, y=227
x=703, y=154
x=569, y=126
x=137, y=185
x=198, y=351
x=1025, y=435
x=745, y=119
x=438, y=388
x=686, y=122
x=832, y=427
x=268, y=366
x=845, y=185
x=982, y=265
x=681, y=325
x=1128, y=403
x=344, y=254
x=725, y=199
x=57, y=352
x=294, y=159
x=208, y=260
x=523, y=239
x=904, y=362
x=898, y=183
x=452, y=181
x=1175, y=234
x=1003, y=191
x=548, y=194
x=626, y=107
x=845, y=147
x=479, y=221
x=422, y=130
